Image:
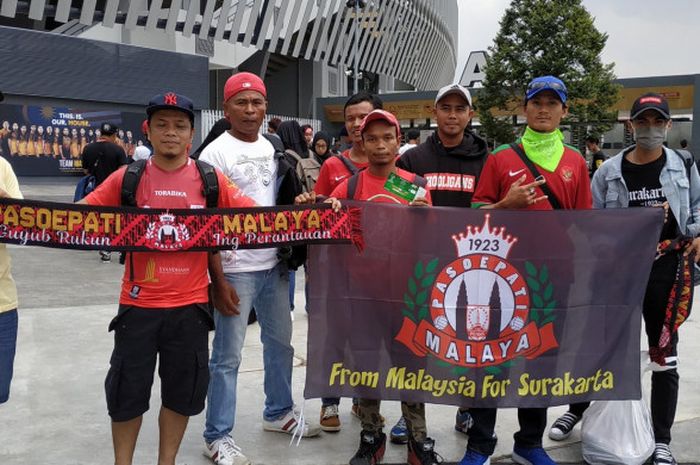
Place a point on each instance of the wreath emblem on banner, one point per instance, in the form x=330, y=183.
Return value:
x=479, y=311
x=166, y=234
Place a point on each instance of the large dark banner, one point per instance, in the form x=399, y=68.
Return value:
x=477, y=308
x=48, y=141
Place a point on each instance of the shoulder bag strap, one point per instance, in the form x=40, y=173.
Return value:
x=536, y=174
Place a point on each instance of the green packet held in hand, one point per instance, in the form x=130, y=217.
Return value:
x=402, y=188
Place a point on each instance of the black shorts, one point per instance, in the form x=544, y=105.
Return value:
x=179, y=338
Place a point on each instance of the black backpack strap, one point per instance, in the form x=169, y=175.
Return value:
x=275, y=141
x=348, y=164
x=130, y=182
x=536, y=174
x=353, y=181
x=688, y=160
x=210, y=183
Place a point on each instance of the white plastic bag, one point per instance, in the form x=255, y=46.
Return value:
x=617, y=432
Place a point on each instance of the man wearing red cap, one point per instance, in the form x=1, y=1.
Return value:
x=260, y=278
x=381, y=135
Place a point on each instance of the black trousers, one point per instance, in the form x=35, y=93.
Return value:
x=664, y=384
x=533, y=422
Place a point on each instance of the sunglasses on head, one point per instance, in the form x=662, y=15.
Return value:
x=546, y=85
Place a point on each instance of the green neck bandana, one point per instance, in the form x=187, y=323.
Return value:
x=544, y=149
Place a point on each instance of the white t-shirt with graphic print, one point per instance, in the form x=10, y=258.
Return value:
x=252, y=166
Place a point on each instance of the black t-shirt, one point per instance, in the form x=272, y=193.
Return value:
x=597, y=160
x=644, y=189
x=102, y=159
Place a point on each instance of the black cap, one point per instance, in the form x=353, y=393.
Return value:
x=108, y=129
x=171, y=101
x=650, y=101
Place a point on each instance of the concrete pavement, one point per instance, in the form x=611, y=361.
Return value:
x=57, y=413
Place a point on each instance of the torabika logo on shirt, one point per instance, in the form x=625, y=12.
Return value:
x=167, y=234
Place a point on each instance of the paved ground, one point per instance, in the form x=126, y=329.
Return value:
x=57, y=415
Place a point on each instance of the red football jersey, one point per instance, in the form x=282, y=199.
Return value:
x=167, y=279
x=333, y=172
x=371, y=188
x=569, y=182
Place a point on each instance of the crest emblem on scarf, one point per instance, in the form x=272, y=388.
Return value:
x=167, y=234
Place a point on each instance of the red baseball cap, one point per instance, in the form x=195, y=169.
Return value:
x=240, y=82
x=383, y=115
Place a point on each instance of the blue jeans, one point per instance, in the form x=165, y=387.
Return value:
x=8, y=343
x=268, y=291
x=292, y=284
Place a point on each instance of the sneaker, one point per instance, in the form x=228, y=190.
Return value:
x=531, y=456
x=463, y=421
x=662, y=455
x=562, y=428
x=105, y=257
x=472, y=457
x=422, y=453
x=371, y=449
x=224, y=451
x=399, y=433
x=329, y=418
x=288, y=423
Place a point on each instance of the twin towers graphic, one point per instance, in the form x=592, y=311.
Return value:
x=474, y=319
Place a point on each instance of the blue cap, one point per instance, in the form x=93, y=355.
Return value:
x=171, y=101
x=541, y=83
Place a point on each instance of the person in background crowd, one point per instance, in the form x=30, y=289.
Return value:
x=293, y=138
x=343, y=141
x=308, y=133
x=321, y=146
x=141, y=152
x=597, y=156
x=335, y=169
x=412, y=140
x=130, y=144
x=101, y=159
x=220, y=127
x=273, y=125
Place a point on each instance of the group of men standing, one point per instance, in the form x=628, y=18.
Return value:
x=167, y=318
